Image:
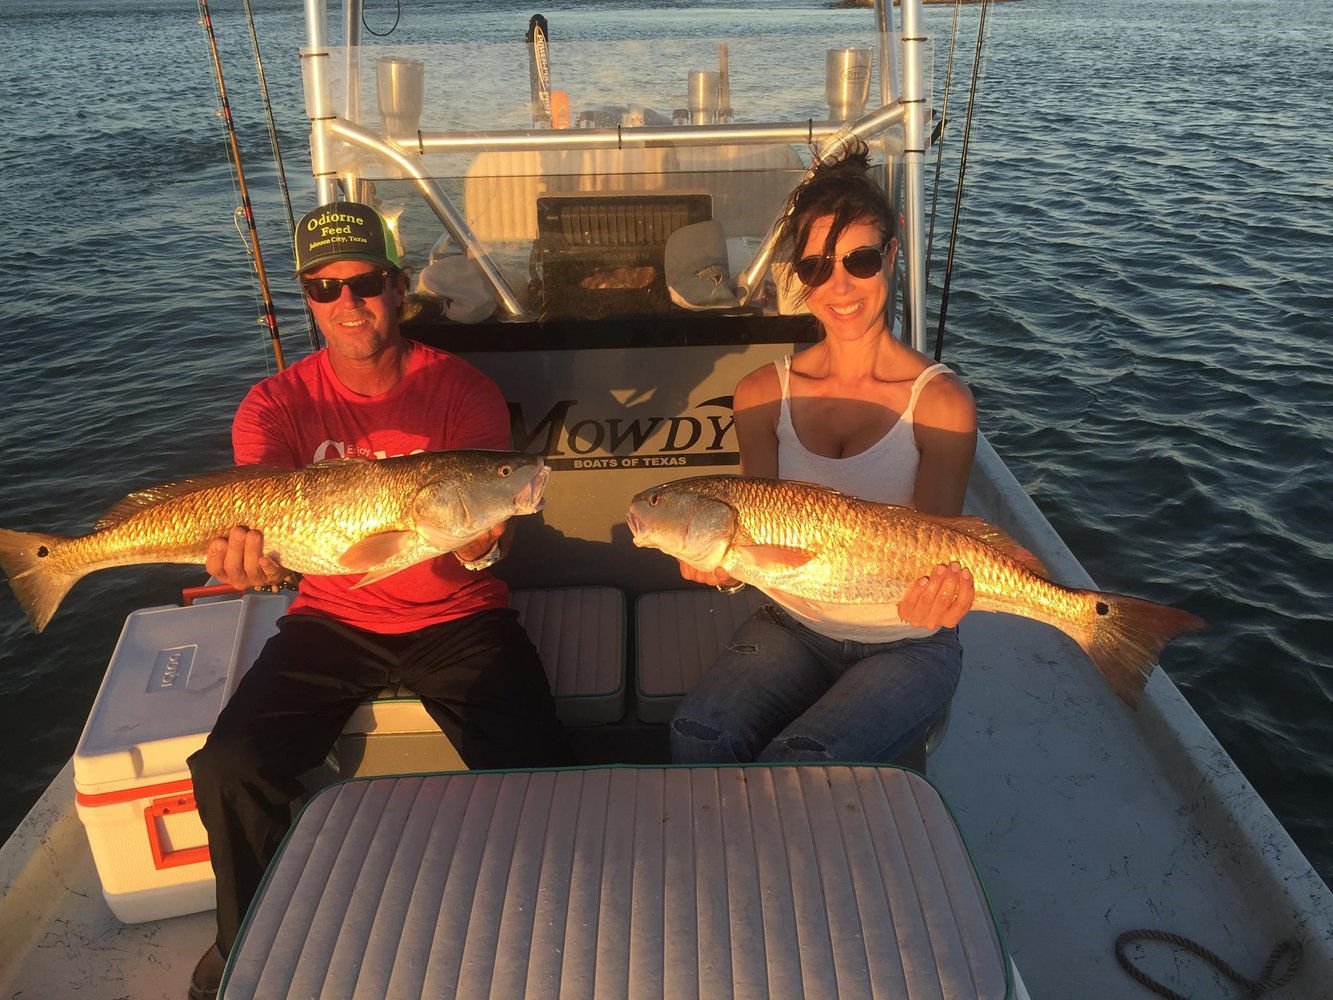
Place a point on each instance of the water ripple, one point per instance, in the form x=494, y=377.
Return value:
x=1141, y=303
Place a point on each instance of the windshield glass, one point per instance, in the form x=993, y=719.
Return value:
x=561, y=170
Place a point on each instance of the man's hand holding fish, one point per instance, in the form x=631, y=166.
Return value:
x=238, y=560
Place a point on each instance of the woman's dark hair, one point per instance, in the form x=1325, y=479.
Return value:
x=840, y=187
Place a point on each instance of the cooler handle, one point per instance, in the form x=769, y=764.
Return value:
x=191, y=594
x=152, y=814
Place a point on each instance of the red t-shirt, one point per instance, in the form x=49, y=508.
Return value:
x=304, y=415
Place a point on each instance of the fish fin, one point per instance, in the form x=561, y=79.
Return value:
x=1127, y=636
x=375, y=550
x=141, y=500
x=996, y=537
x=38, y=587
x=445, y=541
x=376, y=575
x=768, y=556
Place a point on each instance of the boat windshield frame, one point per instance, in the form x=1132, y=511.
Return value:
x=342, y=142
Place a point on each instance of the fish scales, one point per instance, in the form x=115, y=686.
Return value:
x=861, y=550
x=801, y=542
x=334, y=518
x=308, y=516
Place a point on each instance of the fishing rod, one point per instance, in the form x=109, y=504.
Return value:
x=962, y=171
x=311, y=329
x=938, y=136
x=270, y=316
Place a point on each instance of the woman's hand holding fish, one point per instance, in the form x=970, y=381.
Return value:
x=939, y=600
x=239, y=561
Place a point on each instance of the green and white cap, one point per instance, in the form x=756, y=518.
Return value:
x=344, y=230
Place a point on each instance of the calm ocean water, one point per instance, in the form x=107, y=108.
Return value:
x=1141, y=304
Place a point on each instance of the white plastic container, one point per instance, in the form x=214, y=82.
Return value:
x=170, y=674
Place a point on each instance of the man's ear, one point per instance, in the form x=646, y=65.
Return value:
x=400, y=286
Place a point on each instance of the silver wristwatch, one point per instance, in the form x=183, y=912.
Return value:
x=492, y=556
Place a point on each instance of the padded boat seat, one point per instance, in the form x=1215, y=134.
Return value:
x=677, y=636
x=580, y=634
x=760, y=881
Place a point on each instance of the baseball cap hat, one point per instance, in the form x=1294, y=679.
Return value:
x=344, y=230
x=697, y=271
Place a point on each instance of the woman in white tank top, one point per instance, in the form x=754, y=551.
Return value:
x=866, y=414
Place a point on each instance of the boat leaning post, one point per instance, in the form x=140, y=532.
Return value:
x=888, y=97
x=315, y=57
x=914, y=161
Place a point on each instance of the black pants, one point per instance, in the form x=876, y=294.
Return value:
x=480, y=678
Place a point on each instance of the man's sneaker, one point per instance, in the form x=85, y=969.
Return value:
x=207, y=975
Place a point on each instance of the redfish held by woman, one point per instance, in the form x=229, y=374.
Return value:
x=820, y=552
x=343, y=516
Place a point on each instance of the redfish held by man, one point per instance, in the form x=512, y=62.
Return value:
x=374, y=517
x=820, y=552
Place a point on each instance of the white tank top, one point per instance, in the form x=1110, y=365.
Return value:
x=885, y=473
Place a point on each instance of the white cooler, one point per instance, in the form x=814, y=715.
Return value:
x=170, y=674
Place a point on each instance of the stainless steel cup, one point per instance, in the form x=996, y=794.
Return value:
x=705, y=94
x=846, y=82
x=400, y=85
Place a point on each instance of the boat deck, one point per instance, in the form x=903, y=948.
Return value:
x=1085, y=819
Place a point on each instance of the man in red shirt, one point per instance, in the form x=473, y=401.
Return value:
x=442, y=627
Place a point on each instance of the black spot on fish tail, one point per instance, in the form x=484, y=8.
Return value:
x=39, y=584
x=1126, y=637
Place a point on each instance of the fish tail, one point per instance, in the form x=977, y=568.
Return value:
x=34, y=578
x=1126, y=635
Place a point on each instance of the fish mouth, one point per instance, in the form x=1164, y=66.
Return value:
x=636, y=526
x=529, y=499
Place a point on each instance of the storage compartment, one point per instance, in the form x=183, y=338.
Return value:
x=603, y=254
x=170, y=674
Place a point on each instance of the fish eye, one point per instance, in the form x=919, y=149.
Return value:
x=506, y=471
x=654, y=500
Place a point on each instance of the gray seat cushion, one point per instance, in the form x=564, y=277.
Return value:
x=678, y=635
x=786, y=881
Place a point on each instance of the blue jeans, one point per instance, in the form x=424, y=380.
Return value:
x=783, y=692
